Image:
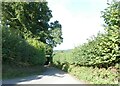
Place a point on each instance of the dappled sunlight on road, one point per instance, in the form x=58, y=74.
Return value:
x=50, y=76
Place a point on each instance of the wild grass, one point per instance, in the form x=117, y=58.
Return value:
x=10, y=72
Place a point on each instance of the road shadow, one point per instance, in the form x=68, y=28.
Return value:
x=49, y=71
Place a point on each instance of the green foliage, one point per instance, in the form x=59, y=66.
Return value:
x=90, y=75
x=99, y=52
x=94, y=75
x=39, y=51
x=28, y=32
x=63, y=57
x=111, y=14
x=32, y=19
x=19, y=51
x=103, y=50
x=96, y=57
x=14, y=71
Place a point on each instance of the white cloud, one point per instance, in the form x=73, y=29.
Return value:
x=76, y=27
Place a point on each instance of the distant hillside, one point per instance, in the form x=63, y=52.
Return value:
x=57, y=51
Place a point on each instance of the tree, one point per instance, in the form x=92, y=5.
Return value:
x=111, y=17
x=55, y=34
x=32, y=20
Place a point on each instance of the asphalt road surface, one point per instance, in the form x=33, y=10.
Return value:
x=50, y=76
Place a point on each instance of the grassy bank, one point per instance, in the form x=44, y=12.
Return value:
x=95, y=75
x=9, y=72
x=91, y=75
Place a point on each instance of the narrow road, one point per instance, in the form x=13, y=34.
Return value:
x=50, y=76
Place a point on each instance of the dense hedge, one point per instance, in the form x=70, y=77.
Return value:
x=99, y=58
x=104, y=49
x=100, y=52
x=94, y=75
x=91, y=75
x=63, y=57
x=16, y=50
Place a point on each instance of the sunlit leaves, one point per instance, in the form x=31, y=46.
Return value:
x=33, y=20
x=104, y=49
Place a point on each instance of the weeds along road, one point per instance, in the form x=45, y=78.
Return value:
x=50, y=76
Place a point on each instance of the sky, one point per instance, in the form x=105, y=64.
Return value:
x=80, y=19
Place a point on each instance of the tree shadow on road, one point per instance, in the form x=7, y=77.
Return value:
x=49, y=72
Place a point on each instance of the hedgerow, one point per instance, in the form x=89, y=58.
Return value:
x=16, y=50
x=104, y=49
x=100, y=52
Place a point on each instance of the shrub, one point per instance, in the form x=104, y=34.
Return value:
x=19, y=51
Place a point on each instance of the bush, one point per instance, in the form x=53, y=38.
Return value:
x=91, y=75
x=103, y=50
x=63, y=57
x=94, y=75
x=96, y=61
x=19, y=51
x=39, y=51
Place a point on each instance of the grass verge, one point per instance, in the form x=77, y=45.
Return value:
x=92, y=75
x=10, y=72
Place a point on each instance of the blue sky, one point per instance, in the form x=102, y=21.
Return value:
x=80, y=19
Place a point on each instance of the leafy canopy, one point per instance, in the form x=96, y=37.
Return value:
x=32, y=19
